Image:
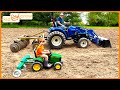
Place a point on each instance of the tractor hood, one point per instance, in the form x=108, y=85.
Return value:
x=56, y=55
x=55, y=58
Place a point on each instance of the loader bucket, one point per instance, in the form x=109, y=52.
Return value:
x=101, y=41
x=104, y=42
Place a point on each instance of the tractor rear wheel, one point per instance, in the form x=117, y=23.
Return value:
x=83, y=43
x=56, y=39
x=28, y=41
x=37, y=66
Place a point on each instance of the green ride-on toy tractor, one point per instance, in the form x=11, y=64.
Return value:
x=37, y=63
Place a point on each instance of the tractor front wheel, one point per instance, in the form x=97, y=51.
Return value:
x=83, y=43
x=37, y=66
x=57, y=66
x=56, y=39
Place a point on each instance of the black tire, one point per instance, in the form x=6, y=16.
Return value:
x=83, y=43
x=55, y=37
x=25, y=42
x=14, y=47
x=28, y=41
x=35, y=45
x=35, y=41
x=38, y=68
x=21, y=44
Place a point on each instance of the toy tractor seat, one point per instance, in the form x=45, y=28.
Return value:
x=35, y=52
x=36, y=55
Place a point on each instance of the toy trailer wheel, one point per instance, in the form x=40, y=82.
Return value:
x=83, y=43
x=17, y=73
x=57, y=66
x=37, y=66
x=56, y=39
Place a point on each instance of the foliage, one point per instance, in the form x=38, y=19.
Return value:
x=103, y=18
x=44, y=19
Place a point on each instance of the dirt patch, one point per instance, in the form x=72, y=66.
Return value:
x=92, y=62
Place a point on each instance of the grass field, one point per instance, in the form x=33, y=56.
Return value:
x=88, y=27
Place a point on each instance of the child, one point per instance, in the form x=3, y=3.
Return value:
x=41, y=52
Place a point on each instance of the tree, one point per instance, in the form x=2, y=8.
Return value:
x=103, y=18
x=74, y=17
x=6, y=13
x=42, y=16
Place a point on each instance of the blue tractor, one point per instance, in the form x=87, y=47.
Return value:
x=57, y=36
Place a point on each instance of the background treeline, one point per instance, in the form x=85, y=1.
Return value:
x=43, y=19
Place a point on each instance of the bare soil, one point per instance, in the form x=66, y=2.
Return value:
x=91, y=62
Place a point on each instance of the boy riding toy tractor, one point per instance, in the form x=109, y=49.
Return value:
x=39, y=62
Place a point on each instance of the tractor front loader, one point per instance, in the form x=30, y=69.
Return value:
x=57, y=37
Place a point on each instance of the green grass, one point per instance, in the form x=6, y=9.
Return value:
x=35, y=26
x=100, y=27
x=23, y=26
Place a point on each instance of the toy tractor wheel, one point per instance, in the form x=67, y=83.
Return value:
x=83, y=43
x=35, y=45
x=37, y=66
x=56, y=39
x=17, y=73
x=57, y=66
